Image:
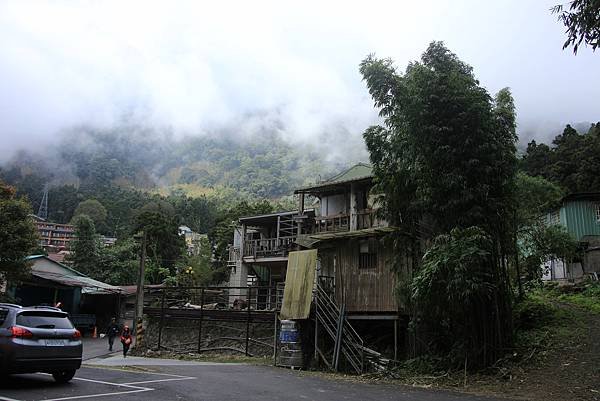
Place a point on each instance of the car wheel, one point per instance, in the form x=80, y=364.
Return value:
x=63, y=376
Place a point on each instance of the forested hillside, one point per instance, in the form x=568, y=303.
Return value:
x=571, y=161
x=126, y=167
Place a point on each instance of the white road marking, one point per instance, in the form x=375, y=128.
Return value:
x=111, y=383
x=132, y=386
x=77, y=397
x=7, y=399
x=162, y=380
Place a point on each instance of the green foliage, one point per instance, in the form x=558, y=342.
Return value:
x=447, y=150
x=118, y=264
x=197, y=270
x=452, y=289
x=541, y=243
x=164, y=246
x=85, y=247
x=444, y=162
x=536, y=196
x=572, y=162
x=93, y=209
x=582, y=21
x=18, y=236
x=585, y=295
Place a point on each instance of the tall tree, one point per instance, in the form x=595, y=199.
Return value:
x=165, y=247
x=94, y=210
x=18, y=236
x=85, y=248
x=444, y=161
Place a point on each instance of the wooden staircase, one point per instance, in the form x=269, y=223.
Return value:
x=332, y=324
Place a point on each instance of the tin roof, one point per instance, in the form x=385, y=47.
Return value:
x=358, y=172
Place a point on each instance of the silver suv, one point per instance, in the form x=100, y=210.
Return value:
x=38, y=339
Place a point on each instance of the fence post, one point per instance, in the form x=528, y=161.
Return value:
x=162, y=317
x=201, y=318
x=275, y=340
x=248, y=318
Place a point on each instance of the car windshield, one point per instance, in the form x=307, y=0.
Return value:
x=44, y=320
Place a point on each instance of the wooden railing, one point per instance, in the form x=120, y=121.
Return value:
x=366, y=218
x=268, y=247
x=339, y=222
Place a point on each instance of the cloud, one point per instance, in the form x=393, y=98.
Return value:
x=197, y=66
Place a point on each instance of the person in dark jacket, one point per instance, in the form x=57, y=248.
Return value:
x=126, y=340
x=112, y=332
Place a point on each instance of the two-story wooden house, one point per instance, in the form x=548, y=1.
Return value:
x=353, y=264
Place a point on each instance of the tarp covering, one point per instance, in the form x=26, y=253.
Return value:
x=299, y=283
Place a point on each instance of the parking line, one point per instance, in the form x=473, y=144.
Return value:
x=77, y=397
x=7, y=399
x=111, y=384
x=162, y=380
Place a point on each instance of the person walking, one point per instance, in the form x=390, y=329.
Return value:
x=112, y=332
x=126, y=340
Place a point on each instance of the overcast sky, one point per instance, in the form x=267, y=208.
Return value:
x=194, y=66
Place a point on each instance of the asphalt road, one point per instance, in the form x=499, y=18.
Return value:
x=175, y=380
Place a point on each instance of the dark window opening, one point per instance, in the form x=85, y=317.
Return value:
x=367, y=255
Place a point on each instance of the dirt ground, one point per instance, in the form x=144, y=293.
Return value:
x=569, y=371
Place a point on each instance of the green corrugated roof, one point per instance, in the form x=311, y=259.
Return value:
x=358, y=171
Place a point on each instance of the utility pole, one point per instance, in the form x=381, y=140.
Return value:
x=139, y=299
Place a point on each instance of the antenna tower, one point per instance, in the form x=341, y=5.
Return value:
x=43, y=210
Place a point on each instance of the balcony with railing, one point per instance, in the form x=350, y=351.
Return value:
x=338, y=222
x=362, y=219
x=268, y=247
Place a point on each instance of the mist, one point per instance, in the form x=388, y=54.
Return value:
x=190, y=68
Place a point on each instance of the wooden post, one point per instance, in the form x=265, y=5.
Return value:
x=248, y=319
x=275, y=340
x=396, y=339
x=201, y=319
x=353, y=223
x=162, y=317
x=139, y=299
x=278, y=228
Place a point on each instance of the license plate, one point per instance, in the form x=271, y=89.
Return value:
x=55, y=343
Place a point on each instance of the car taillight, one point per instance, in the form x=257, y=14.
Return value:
x=76, y=335
x=20, y=332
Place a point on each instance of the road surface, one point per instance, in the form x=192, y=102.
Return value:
x=154, y=380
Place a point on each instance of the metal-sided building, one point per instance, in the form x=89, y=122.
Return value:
x=579, y=213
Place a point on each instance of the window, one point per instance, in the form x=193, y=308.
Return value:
x=44, y=320
x=367, y=254
x=597, y=212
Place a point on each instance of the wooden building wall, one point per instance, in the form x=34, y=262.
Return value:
x=367, y=290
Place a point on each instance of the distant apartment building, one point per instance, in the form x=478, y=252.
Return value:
x=54, y=237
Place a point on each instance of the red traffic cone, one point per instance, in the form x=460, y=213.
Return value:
x=95, y=332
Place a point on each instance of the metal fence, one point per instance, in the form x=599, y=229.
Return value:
x=214, y=319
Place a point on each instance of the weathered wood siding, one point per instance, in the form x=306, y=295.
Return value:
x=363, y=290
